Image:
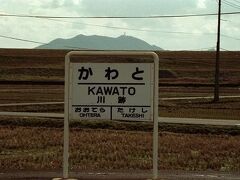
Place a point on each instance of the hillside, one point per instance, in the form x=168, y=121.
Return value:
x=100, y=43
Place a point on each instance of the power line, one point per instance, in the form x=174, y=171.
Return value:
x=24, y=40
x=231, y=4
x=117, y=27
x=227, y=20
x=132, y=29
x=110, y=27
x=224, y=49
x=41, y=43
x=37, y=42
x=145, y=30
x=74, y=47
x=237, y=1
x=117, y=17
x=228, y=50
x=224, y=35
x=201, y=49
x=56, y=18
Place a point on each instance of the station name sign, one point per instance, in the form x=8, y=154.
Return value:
x=100, y=86
x=111, y=91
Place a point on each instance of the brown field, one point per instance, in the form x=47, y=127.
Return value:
x=200, y=108
x=181, y=74
x=188, y=67
x=32, y=143
x=41, y=148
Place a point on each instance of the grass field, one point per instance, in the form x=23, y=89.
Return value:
x=187, y=67
x=182, y=74
x=36, y=143
x=41, y=148
x=199, y=108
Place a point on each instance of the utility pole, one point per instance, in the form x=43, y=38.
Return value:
x=216, y=88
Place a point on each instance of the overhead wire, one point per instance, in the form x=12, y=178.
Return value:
x=67, y=46
x=37, y=42
x=224, y=49
x=201, y=49
x=57, y=18
x=227, y=36
x=24, y=40
x=229, y=50
x=146, y=30
x=237, y=1
x=117, y=17
x=234, y=3
x=231, y=4
x=74, y=47
x=236, y=24
x=131, y=29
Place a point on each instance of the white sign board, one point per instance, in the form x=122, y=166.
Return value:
x=111, y=91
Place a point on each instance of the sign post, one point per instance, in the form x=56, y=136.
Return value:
x=111, y=90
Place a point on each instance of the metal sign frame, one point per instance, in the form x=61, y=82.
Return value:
x=66, y=102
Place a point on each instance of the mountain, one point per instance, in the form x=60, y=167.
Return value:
x=100, y=43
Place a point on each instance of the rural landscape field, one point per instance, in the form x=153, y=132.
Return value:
x=34, y=143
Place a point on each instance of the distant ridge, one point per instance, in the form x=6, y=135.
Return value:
x=100, y=43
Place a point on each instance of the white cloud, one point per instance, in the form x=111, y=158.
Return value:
x=76, y=2
x=201, y=4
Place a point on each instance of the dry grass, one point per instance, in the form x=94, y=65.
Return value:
x=41, y=148
x=185, y=67
x=32, y=148
x=201, y=108
x=31, y=93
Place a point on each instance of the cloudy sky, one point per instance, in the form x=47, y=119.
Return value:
x=168, y=33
